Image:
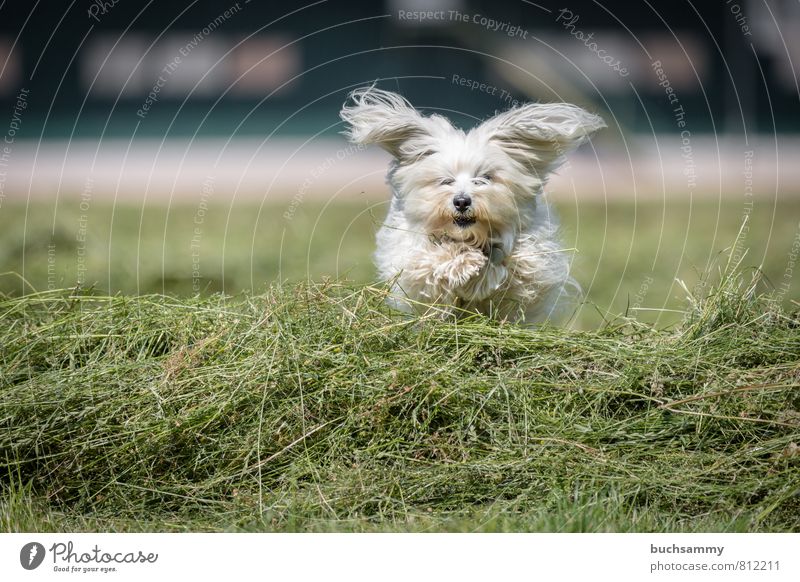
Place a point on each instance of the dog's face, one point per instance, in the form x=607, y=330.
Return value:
x=477, y=187
x=466, y=188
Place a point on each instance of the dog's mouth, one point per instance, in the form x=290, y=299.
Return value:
x=462, y=221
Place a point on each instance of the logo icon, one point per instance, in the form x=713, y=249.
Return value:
x=31, y=555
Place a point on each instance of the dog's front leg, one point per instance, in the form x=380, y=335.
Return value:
x=491, y=277
x=459, y=265
x=436, y=273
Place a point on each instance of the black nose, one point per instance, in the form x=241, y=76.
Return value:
x=462, y=202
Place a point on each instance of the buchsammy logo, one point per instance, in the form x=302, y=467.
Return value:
x=31, y=555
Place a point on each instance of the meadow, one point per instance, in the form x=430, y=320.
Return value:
x=297, y=401
x=627, y=257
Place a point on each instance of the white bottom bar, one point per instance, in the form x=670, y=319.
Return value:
x=373, y=557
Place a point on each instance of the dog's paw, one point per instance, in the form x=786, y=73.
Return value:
x=464, y=264
x=490, y=280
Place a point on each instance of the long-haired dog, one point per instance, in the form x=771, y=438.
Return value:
x=468, y=229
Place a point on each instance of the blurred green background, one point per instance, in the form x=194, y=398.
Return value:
x=253, y=109
x=626, y=254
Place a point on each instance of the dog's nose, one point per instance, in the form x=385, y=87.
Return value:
x=462, y=201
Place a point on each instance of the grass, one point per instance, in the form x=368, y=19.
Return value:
x=626, y=254
x=313, y=407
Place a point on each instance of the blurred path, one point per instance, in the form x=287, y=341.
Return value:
x=293, y=170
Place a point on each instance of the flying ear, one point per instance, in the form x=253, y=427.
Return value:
x=388, y=120
x=539, y=135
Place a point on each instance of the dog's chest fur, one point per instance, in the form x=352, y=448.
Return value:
x=522, y=283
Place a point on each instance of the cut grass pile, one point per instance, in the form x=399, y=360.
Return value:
x=316, y=408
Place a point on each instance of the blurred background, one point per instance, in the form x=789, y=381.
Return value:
x=194, y=147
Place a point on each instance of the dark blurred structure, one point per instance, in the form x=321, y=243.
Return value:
x=126, y=69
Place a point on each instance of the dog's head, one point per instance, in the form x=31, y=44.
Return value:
x=477, y=186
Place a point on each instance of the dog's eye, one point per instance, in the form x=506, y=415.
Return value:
x=446, y=181
x=484, y=178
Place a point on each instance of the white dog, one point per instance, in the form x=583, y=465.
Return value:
x=468, y=229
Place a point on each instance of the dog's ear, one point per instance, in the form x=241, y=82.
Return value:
x=539, y=135
x=388, y=120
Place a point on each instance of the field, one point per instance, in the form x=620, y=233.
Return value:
x=625, y=255
x=306, y=405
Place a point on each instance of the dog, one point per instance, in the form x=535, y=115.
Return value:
x=469, y=229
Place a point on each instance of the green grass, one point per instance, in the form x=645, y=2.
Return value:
x=623, y=250
x=315, y=408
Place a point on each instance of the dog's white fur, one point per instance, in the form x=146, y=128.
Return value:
x=504, y=259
